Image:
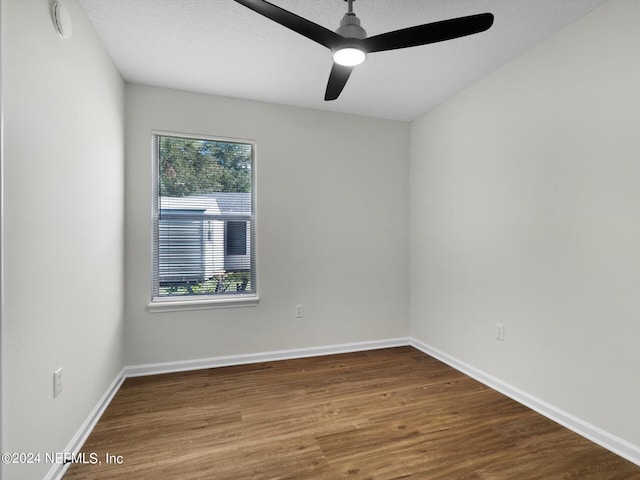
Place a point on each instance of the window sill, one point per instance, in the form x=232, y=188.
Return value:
x=160, y=305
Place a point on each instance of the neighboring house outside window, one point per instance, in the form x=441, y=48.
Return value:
x=203, y=223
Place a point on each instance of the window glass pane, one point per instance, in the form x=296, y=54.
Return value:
x=203, y=218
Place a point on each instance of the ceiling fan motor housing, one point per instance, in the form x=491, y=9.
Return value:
x=350, y=52
x=350, y=27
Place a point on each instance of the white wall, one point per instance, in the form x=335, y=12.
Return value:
x=63, y=228
x=525, y=210
x=332, y=194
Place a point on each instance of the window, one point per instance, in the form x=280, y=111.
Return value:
x=236, y=238
x=203, y=222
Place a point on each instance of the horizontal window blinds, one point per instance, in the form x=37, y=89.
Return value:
x=204, y=221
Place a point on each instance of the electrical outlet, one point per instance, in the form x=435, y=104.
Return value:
x=57, y=382
x=500, y=332
x=299, y=311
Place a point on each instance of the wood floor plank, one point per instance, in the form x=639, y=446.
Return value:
x=385, y=414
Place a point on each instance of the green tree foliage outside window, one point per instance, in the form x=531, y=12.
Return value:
x=192, y=166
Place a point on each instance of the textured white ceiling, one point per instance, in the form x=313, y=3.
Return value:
x=223, y=48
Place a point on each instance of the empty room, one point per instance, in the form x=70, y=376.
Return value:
x=320, y=239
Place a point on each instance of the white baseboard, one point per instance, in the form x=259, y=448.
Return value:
x=595, y=434
x=58, y=470
x=229, y=360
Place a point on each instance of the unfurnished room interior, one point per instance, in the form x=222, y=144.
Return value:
x=320, y=239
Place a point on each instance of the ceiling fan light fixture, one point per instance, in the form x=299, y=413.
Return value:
x=349, y=55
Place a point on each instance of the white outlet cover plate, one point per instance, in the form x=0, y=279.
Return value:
x=57, y=382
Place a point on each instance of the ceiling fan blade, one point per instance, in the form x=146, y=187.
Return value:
x=429, y=33
x=304, y=27
x=337, y=80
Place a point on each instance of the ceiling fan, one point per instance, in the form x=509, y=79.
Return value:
x=350, y=44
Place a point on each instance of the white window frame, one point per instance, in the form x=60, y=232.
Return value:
x=160, y=304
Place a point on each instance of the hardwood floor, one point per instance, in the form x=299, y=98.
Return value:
x=385, y=414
